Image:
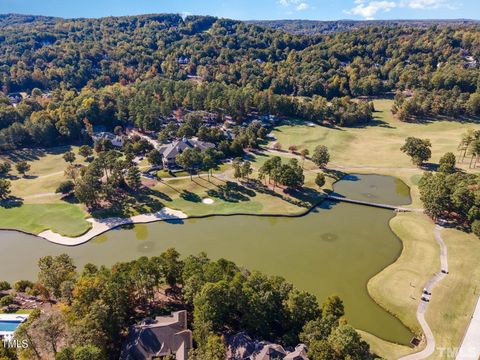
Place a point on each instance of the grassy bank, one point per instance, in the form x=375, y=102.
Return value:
x=384, y=348
x=398, y=288
x=65, y=219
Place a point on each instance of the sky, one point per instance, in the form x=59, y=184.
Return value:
x=254, y=9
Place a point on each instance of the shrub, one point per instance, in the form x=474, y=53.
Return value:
x=65, y=187
x=4, y=285
x=6, y=300
x=22, y=285
x=320, y=180
x=476, y=227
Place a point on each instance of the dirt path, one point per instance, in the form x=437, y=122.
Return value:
x=36, y=196
x=50, y=175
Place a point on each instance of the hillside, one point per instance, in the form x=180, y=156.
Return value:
x=313, y=27
x=137, y=69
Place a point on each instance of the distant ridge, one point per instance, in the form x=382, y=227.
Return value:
x=314, y=27
x=299, y=27
x=18, y=19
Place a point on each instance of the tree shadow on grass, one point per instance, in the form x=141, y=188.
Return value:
x=190, y=196
x=29, y=177
x=335, y=174
x=232, y=192
x=429, y=167
x=307, y=196
x=128, y=204
x=70, y=198
x=170, y=186
x=196, y=182
x=32, y=154
x=296, y=197
x=11, y=202
x=158, y=194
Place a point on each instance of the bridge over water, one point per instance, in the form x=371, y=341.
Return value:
x=370, y=203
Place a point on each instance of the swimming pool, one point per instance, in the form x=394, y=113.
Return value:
x=9, y=325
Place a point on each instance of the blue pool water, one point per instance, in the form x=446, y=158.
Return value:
x=10, y=325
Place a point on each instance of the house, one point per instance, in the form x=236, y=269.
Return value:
x=241, y=347
x=15, y=98
x=183, y=60
x=163, y=336
x=170, y=151
x=116, y=140
x=470, y=62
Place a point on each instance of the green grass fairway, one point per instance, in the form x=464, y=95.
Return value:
x=46, y=173
x=454, y=297
x=398, y=288
x=377, y=144
x=65, y=219
x=187, y=195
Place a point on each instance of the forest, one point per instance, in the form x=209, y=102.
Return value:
x=137, y=70
x=50, y=53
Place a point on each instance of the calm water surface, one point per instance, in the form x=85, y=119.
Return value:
x=335, y=249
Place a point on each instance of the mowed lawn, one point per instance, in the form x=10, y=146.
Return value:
x=378, y=144
x=46, y=172
x=455, y=297
x=399, y=287
x=186, y=195
x=65, y=219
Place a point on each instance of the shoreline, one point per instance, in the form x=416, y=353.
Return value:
x=102, y=226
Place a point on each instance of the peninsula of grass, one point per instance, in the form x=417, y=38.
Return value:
x=398, y=288
x=65, y=219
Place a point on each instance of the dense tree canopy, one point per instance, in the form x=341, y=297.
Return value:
x=148, y=66
x=97, y=306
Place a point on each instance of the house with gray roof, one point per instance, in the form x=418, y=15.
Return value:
x=171, y=150
x=241, y=347
x=116, y=140
x=163, y=336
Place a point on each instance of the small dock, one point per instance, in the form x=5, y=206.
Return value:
x=369, y=203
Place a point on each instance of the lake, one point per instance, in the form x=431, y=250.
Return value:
x=335, y=249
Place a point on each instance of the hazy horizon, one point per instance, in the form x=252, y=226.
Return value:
x=316, y=10
x=244, y=20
